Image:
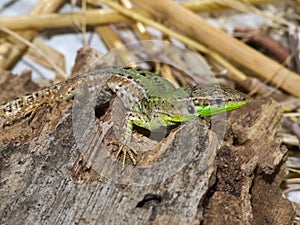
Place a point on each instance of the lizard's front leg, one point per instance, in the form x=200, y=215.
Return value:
x=126, y=136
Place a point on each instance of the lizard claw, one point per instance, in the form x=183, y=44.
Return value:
x=124, y=150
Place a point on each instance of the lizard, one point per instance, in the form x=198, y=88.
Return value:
x=152, y=102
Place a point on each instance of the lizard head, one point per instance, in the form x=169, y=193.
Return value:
x=214, y=99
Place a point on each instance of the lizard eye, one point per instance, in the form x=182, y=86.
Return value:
x=191, y=109
x=219, y=101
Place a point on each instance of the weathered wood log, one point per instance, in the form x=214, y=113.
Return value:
x=47, y=178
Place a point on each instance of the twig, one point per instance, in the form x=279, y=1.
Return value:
x=265, y=41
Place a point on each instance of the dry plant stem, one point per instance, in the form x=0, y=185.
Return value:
x=13, y=48
x=52, y=55
x=245, y=7
x=268, y=43
x=195, y=26
x=92, y=17
x=112, y=41
x=264, y=83
x=83, y=23
x=46, y=6
x=295, y=114
x=188, y=41
x=59, y=71
x=209, y=5
x=142, y=34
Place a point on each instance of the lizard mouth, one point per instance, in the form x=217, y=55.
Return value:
x=212, y=110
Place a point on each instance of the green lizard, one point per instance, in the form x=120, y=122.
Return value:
x=152, y=101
